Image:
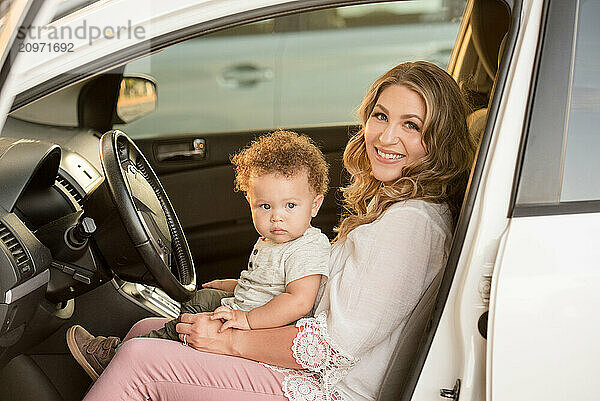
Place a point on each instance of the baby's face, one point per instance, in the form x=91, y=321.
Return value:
x=282, y=207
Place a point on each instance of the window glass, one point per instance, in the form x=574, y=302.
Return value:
x=542, y=166
x=369, y=15
x=298, y=70
x=581, y=177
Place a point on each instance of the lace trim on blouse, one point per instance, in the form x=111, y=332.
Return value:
x=324, y=363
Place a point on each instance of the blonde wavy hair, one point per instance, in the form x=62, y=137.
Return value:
x=439, y=177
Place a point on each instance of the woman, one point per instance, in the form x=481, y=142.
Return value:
x=408, y=165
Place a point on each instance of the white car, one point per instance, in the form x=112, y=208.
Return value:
x=193, y=81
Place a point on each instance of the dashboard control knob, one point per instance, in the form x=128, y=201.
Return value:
x=78, y=235
x=87, y=226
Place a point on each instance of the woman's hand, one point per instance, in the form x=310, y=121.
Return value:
x=235, y=319
x=273, y=346
x=202, y=333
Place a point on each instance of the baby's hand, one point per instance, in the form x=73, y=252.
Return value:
x=237, y=319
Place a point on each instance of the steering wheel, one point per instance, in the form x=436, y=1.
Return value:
x=147, y=215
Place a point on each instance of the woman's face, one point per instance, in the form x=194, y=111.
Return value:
x=393, y=132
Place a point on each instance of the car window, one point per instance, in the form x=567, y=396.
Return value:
x=307, y=69
x=581, y=177
x=560, y=165
x=370, y=15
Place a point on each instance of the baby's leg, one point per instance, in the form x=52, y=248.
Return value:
x=144, y=326
x=205, y=300
x=166, y=332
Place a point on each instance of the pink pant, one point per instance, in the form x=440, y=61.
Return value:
x=156, y=369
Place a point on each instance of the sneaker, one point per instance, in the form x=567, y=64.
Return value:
x=92, y=353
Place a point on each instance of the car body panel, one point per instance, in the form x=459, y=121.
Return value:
x=543, y=335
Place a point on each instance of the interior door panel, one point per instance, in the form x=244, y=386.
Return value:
x=216, y=219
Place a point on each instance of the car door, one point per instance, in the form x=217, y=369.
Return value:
x=544, y=300
x=301, y=74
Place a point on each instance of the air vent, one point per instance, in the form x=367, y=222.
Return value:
x=70, y=189
x=15, y=248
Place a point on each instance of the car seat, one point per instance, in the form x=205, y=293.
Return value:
x=406, y=349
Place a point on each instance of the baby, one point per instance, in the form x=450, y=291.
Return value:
x=284, y=177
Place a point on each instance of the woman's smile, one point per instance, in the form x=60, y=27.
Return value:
x=387, y=156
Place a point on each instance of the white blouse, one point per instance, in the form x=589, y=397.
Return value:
x=378, y=274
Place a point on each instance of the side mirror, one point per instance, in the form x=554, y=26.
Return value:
x=137, y=98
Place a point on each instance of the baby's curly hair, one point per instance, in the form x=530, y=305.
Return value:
x=283, y=152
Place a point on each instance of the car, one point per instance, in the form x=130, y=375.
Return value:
x=180, y=87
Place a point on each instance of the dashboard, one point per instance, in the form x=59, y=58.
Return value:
x=44, y=179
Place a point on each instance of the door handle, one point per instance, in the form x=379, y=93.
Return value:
x=182, y=150
x=244, y=76
x=453, y=393
x=178, y=154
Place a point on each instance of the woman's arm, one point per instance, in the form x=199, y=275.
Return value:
x=252, y=345
x=202, y=333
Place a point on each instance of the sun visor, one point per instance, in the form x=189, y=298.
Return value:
x=25, y=161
